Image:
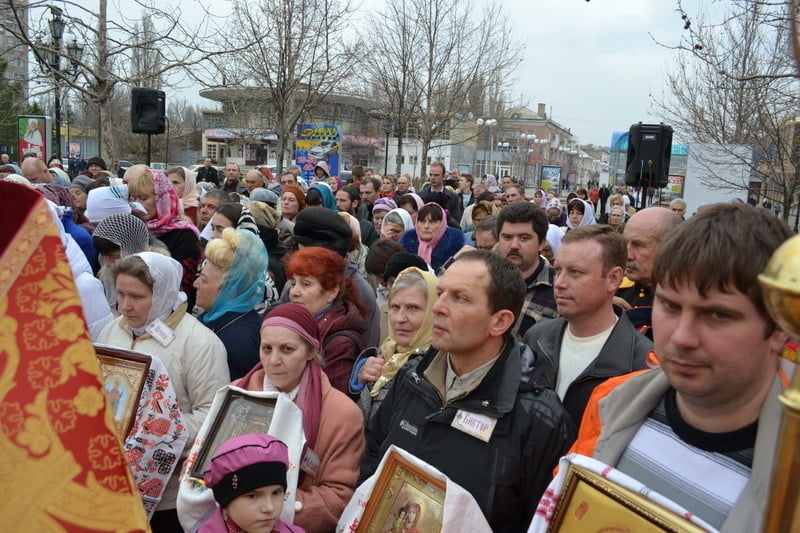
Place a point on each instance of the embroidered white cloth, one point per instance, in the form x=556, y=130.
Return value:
x=195, y=500
x=157, y=437
x=461, y=511
x=547, y=505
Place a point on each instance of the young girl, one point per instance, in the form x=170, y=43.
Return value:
x=248, y=477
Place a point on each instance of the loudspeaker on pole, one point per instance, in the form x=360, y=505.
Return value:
x=649, y=152
x=148, y=114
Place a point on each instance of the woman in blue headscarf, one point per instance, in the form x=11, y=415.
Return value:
x=229, y=287
x=327, y=199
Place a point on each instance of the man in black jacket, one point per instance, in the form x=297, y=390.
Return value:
x=591, y=342
x=208, y=173
x=467, y=408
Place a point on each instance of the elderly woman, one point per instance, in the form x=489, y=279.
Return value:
x=395, y=223
x=229, y=288
x=185, y=184
x=163, y=217
x=580, y=214
x=318, y=283
x=291, y=354
x=293, y=200
x=155, y=321
x=432, y=239
x=380, y=208
x=115, y=238
x=616, y=218
x=613, y=200
x=411, y=300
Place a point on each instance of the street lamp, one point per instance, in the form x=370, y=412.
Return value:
x=489, y=123
x=50, y=63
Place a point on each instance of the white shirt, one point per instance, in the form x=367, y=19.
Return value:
x=577, y=353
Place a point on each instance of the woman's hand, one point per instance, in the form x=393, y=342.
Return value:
x=371, y=370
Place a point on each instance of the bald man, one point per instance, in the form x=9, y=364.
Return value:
x=35, y=170
x=253, y=180
x=644, y=232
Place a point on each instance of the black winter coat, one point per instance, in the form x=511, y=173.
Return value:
x=507, y=475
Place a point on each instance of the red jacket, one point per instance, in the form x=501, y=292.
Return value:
x=339, y=352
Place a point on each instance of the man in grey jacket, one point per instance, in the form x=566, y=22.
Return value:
x=592, y=340
x=702, y=428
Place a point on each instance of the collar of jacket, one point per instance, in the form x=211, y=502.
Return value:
x=545, y=275
x=172, y=321
x=495, y=395
x=608, y=362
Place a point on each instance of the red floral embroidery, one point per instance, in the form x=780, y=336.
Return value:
x=12, y=419
x=104, y=452
x=63, y=415
x=39, y=335
x=44, y=373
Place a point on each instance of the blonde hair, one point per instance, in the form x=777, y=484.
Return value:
x=220, y=251
x=143, y=183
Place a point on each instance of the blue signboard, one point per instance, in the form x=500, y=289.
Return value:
x=315, y=143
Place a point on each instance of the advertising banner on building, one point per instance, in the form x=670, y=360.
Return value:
x=551, y=178
x=675, y=185
x=34, y=136
x=315, y=143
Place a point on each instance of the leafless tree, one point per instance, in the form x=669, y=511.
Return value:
x=734, y=84
x=112, y=55
x=294, y=57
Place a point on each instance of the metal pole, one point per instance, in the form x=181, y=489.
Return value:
x=58, y=123
x=485, y=140
x=148, y=149
x=166, y=156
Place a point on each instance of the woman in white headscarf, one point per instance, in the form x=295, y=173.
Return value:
x=154, y=321
x=395, y=223
x=579, y=213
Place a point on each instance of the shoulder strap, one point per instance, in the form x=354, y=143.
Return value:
x=353, y=336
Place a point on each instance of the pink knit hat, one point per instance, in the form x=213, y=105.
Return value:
x=245, y=463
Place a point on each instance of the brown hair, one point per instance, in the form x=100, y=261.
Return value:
x=506, y=288
x=134, y=267
x=723, y=247
x=614, y=249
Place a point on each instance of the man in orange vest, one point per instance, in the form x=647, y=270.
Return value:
x=701, y=429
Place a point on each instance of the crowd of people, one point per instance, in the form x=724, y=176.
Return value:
x=485, y=332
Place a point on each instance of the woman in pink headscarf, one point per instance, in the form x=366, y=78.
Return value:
x=291, y=351
x=153, y=190
x=185, y=184
x=431, y=238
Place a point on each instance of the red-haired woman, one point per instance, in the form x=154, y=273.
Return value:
x=319, y=284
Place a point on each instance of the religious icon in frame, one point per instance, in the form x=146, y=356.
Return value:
x=240, y=414
x=124, y=373
x=405, y=499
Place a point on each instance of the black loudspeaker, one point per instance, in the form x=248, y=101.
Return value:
x=147, y=111
x=649, y=151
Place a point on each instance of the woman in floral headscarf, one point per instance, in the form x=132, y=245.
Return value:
x=155, y=193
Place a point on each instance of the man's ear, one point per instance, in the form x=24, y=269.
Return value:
x=614, y=278
x=500, y=322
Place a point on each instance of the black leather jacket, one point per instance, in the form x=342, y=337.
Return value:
x=507, y=475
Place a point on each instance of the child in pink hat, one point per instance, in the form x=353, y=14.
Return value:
x=248, y=477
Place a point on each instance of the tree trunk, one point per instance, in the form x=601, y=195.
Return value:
x=399, y=162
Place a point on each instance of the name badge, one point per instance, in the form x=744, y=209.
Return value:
x=160, y=332
x=479, y=426
x=310, y=462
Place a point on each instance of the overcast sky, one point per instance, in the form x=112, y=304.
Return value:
x=594, y=64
